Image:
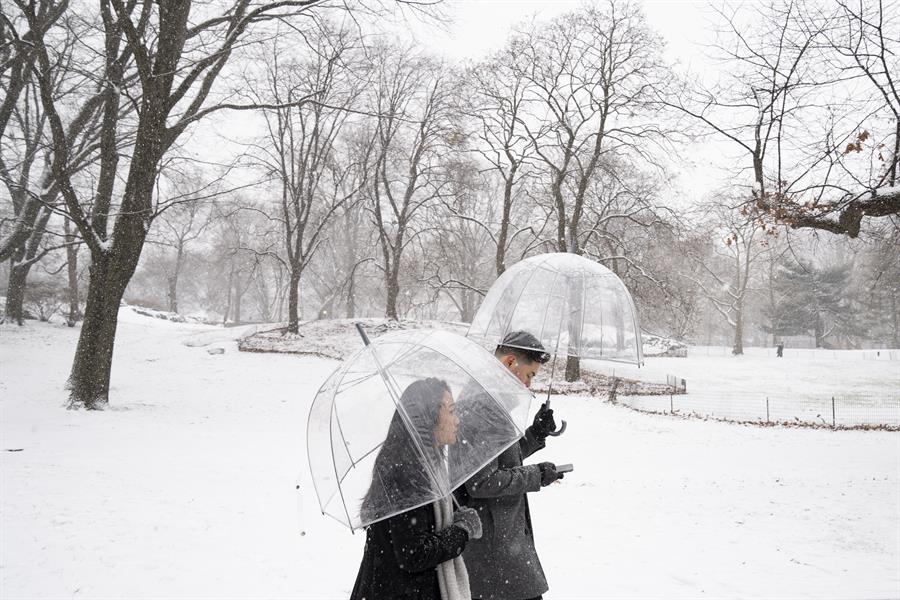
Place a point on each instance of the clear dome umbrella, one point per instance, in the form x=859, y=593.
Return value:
x=576, y=308
x=371, y=437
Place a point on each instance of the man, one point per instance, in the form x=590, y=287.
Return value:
x=503, y=564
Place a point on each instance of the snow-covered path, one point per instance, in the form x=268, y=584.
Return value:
x=185, y=487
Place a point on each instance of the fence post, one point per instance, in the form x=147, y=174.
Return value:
x=833, y=421
x=671, y=404
x=767, y=409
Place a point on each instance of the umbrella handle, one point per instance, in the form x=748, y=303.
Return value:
x=560, y=431
x=362, y=333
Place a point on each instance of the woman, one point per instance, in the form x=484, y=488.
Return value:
x=415, y=554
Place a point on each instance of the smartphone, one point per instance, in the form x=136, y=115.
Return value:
x=564, y=468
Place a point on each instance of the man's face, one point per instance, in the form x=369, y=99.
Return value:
x=525, y=370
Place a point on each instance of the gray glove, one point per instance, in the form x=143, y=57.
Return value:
x=467, y=519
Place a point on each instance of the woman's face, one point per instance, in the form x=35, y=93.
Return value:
x=448, y=423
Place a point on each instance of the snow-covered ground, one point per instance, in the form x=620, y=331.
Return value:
x=186, y=486
x=757, y=386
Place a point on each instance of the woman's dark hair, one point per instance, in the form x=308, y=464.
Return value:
x=399, y=468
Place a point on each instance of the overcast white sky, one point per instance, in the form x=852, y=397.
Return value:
x=478, y=27
x=482, y=25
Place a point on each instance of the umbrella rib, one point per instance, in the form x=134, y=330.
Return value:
x=353, y=463
x=309, y=455
x=515, y=305
x=344, y=439
x=637, y=332
x=342, y=370
x=337, y=477
x=583, y=312
x=546, y=313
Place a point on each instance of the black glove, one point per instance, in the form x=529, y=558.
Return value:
x=543, y=423
x=468, y=520
x=549, y=474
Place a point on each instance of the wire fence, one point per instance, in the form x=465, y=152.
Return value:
x=810, y=353
x=857, y=411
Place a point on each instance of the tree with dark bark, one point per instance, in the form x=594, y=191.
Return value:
x=25, y=159
x=175, y=53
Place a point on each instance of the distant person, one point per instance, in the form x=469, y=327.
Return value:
x=779, y=349
x=503, y=564
x=415, y=554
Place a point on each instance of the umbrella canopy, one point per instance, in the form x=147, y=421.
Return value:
x=573, y=305
x=373, y=452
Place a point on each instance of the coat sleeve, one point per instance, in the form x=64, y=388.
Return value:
x=530, y=443
x=494, y=482
x=417, y=546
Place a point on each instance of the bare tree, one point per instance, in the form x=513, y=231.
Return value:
x=495, y=100
x=456, y=253
x=343, y=272
x=74, y=294
x=184, y=220
x=800, y=123
x=301, y=146
x=731, y=266
x=176, y=55
x=593, y=75
x=412, y=102
x=25, y=166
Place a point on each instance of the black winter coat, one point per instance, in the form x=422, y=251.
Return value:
x=503, y=564
x=401, y=554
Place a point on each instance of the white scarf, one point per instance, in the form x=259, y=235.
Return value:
x=453, y=579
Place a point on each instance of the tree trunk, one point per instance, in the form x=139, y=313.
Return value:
x=393, y=290
x=18, y=274
x=895, y=318
x=262, y=292
x=467, y=313
x=820, y=331
x=92, y=368
x=72, y=267
x=392, y=281
x=172, y=280
x=294, y=303
x=500, y=256
x=738, y=347
x=573, y=368
x=351, y=294
x=15, y=292
x=238, y=295
x=172, y=293
x=227, y=311
x=574, y=325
